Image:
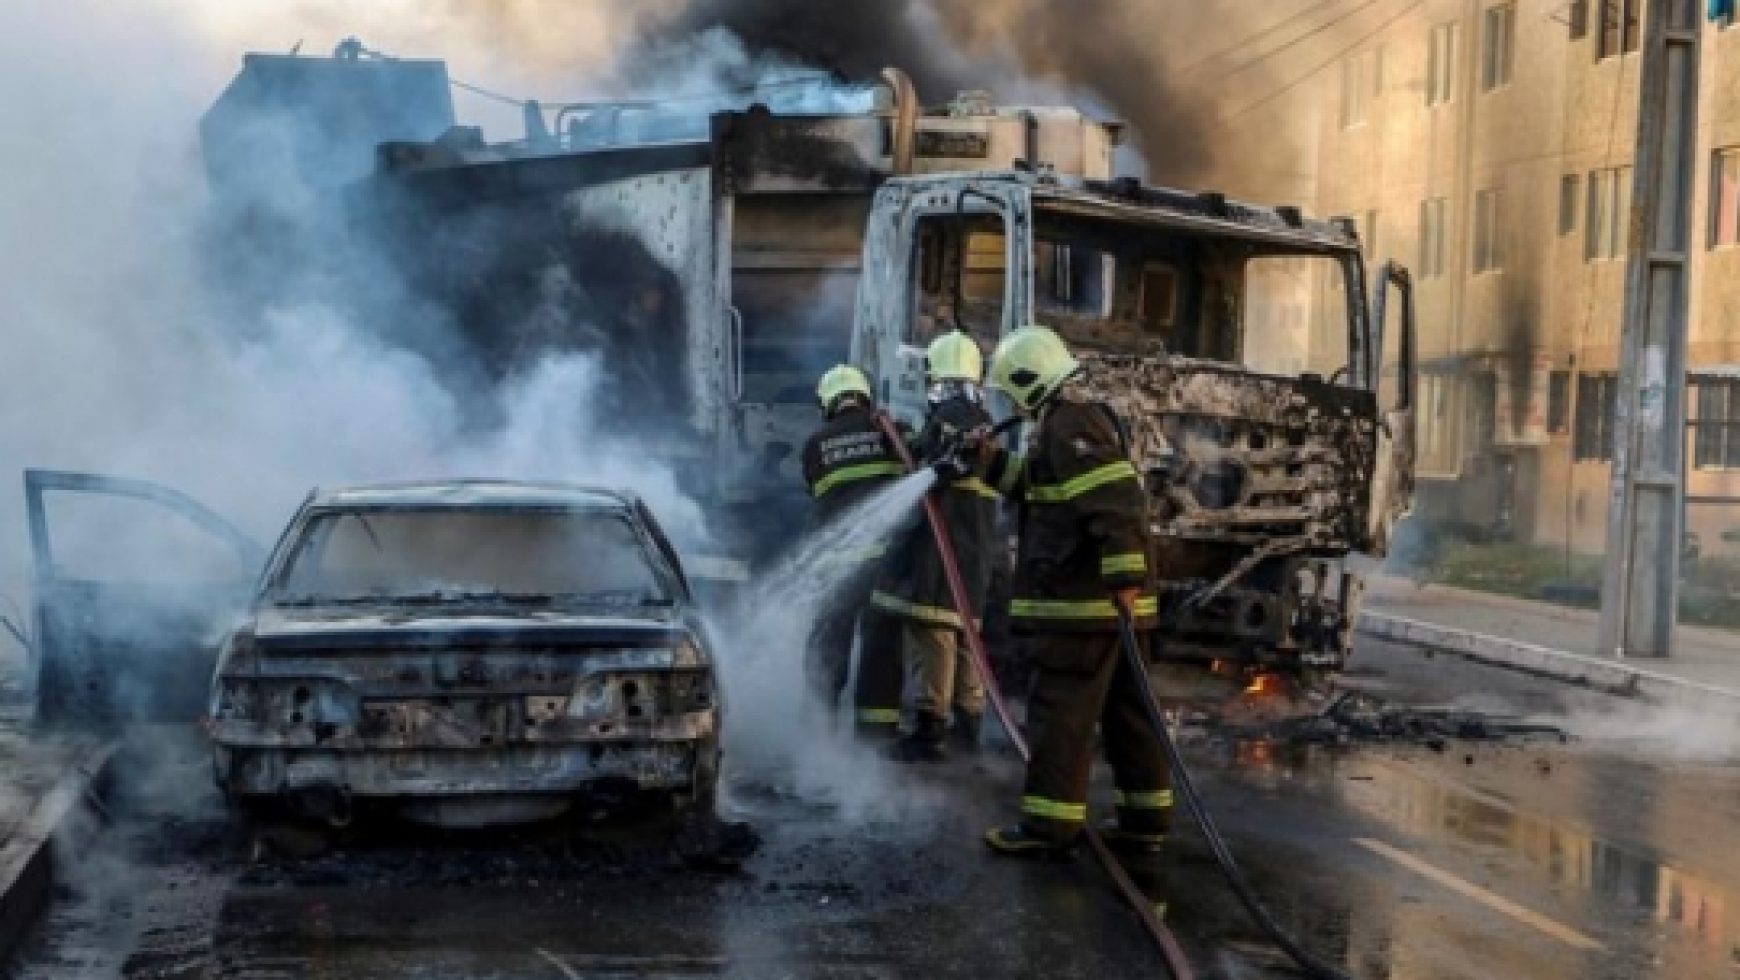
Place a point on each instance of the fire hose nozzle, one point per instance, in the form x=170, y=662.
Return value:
x=952, y=458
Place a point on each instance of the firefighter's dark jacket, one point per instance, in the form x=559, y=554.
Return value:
x=914, y=585
x=1083, y=528
x=846, y=461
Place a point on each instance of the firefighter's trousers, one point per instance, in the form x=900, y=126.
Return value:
x=878, y=693
x=828, y=661
x=940, y=669
x=1082, y=681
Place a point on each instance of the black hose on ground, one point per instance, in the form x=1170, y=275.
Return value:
x=1229, y=867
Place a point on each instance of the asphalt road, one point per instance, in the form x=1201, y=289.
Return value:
x=1604, y=858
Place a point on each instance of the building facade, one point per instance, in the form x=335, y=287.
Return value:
x=1488, y=146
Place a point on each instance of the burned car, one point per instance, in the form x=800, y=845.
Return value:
x=467, y=653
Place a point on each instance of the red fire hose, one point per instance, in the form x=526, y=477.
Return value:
x=1170, y=951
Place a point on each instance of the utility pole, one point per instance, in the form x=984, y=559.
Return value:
x=1640, y=586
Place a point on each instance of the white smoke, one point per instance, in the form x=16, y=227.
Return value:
x=1669, y=732
x=119, y=355
x=776, y=728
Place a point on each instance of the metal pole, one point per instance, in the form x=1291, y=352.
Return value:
x=1641, y=581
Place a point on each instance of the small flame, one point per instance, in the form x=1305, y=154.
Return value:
x=1261, y=684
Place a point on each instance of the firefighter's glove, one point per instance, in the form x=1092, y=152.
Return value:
x=949, y=457
x=978, y=445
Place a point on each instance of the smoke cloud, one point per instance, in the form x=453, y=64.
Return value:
x=123, y=351
x=1162, y=68
x=142, y=338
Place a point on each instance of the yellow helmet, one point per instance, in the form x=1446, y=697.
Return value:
x=1030, y=364
x=839, y=381
x=954, y=357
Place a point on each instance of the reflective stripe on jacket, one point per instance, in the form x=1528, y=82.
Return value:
x=914, y=585
x=1084, y=522
x=846, y=461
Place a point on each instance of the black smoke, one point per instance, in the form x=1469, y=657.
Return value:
x=1115, y=51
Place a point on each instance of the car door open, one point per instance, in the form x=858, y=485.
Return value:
x=135, y=584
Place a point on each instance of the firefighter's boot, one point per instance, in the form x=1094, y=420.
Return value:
x=1016, y=840
x=1131, y=842
x=875, y=733
x=925, y=743
x=964, y=733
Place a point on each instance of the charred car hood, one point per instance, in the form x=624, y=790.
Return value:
x=302, y=629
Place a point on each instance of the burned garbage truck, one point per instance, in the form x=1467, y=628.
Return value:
x=716, y=261
x=709, y=259
x=1267, y=401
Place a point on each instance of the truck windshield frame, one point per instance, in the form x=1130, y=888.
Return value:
x=1111, y=284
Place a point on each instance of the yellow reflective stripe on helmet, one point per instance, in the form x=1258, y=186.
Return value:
x=1126, y=562
x=1160, y=799
x=1070, y=489
x=852, y=474
x=977, y=486
x=879, y=716
x=913, y=610
x=1078, y=608
x=1039, y=806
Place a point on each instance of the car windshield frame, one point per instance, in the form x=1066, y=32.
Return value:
x=664, y=589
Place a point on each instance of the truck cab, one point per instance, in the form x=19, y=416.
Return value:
x=1269, y=408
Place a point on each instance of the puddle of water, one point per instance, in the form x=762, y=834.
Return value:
x=1566, y=856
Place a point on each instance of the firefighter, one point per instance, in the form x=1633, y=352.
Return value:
x=1083, y=543
x=845, y=463
x=915, y=590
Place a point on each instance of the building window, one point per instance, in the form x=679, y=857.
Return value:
x=1433, y=423
x=1716, y=427
x=1597, y=397
x=1725, y=199
x=1432, y=237
x=1558, y=401
x=1354, y=100
x=1482, y=412
x=1441, y=64
x=1488, y=232
x=1621, y=28
x=1570, y=190
x=1361, y=80
x=1607, y=212
x=1577, y=17
x=1497, y=40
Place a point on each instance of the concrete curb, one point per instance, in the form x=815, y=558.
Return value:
x=27, y=862
x=1581, y=670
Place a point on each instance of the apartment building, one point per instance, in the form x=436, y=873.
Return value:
x=1488, y=146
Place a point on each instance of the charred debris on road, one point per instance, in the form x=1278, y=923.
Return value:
x=1352, y=718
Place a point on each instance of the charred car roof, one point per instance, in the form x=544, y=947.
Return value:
x=475, y=493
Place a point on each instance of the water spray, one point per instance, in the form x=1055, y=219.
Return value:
x=775, y=617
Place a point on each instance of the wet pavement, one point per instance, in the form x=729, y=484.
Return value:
x=1605, y=858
